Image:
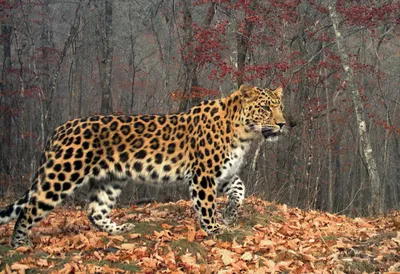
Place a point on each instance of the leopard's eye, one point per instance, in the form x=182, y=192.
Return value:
x=266, y=107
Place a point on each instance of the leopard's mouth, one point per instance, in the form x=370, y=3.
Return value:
x=270, y=133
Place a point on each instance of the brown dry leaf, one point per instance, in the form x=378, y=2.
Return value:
x=166, y=226
x=286, y=230
x=19, y=266
x=170, y=260
x=111, y=257
x=394, y=268
x=112, y=243
x=260, y=227
x=96, y=240
x=107, y=269
x=23, y=249
x=134, y=235
x=42, y=262
x=141, y=252
x=164, y=235
x=247, y=256
x=227, y=257
x=239, y=266
x=93, y=269
x=129, y=217
x=189, y=261
x=128, y=246
x=308, y=257
x=68, y=268
x=191, y=234
x=396, y=221
x=200, y=234
x=284, y=265
x=97, y=255
x=177, y=272
x=117, y=238
x=270, y=266
x=179, y=228
x=209, y=242
x=262, y=270
x=266, y=244
x=8, y=269
x=237, y=247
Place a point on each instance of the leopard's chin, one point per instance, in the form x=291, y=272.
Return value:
x=273, y=138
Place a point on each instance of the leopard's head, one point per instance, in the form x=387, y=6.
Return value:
x=262, y=110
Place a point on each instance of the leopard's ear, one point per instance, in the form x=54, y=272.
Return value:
x=246, y=91
x=279, y=92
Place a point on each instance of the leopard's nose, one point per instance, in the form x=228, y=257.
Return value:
x=281, y=125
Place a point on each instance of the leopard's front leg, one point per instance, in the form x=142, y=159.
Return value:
x=203, y=193
x=235, y=190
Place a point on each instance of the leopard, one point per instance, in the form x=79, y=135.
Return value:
x=202, y=148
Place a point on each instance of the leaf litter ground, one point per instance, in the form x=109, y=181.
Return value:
x=269, y=238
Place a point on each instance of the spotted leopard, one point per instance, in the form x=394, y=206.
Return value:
x=203, y=148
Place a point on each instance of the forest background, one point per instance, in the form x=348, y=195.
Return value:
x=338, y=62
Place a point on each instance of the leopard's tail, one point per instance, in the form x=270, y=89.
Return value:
x=13, y=210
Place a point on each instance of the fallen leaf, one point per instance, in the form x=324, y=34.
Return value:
x=128, y=246
x=148, y=264
x=23, y=249
x=97, y=255
x=239, y=266
x=19, y=266
x=8, y=269
x=189, y=261
x=141, y=252
x=266, y=244
x=227, y=256
x=308, y=257
x=118, y=238
x=166, y=226
x=42, y=262
x=111, y=257
x=170, y=260
x=209, y=242
x=247, y=256
x=134, y=235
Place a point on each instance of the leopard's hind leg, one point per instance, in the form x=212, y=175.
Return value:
x=103, y=197
x=43, y=197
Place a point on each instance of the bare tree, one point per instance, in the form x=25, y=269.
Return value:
x=105, y=33
x=243, y=42
x=377, y=203
x=6, y=85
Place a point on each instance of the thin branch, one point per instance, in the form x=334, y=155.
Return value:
x=73, y=32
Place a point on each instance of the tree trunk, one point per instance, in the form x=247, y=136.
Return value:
x=6, y=86
x=328, y=138
x=190, y=66
x=242, y=43
x=377, y=206
x=133, y=57
x=106, y=55
x=46, y=41
x=80, y=71
x=188, y=61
